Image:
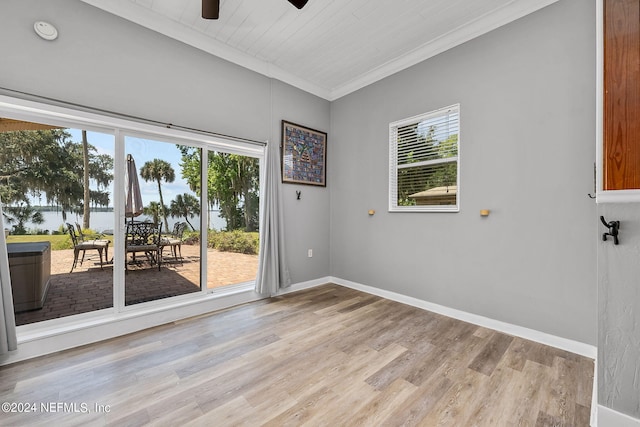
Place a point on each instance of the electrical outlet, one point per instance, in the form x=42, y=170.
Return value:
x=310, y=253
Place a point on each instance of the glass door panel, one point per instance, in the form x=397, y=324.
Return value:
x=162, y=211
x=59, y=220
x=233, y=219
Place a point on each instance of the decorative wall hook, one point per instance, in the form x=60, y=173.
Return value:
x=298, y=194
x=613, y=227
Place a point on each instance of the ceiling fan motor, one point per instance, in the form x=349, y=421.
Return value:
x=211, y=8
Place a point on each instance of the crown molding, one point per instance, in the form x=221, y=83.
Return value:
x=137, y=14
x=482, y=25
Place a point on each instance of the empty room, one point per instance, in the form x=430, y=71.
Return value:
x=280, y=212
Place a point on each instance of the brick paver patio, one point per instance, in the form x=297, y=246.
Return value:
x=90, y=288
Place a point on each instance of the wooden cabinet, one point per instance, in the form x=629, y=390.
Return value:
x=621, y=98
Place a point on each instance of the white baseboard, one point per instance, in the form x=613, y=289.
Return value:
x=530, y=334
x=607, y=417
x=593, y=420
x=53, y=339
x=576, y=347
x=305, y=285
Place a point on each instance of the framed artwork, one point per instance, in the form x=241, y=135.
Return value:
x=304, y=155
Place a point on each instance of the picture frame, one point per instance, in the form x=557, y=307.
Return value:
x=304, y=155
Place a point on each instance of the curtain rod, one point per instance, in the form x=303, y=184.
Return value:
x=33, y=97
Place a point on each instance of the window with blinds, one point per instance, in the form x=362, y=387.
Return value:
x=424, y=162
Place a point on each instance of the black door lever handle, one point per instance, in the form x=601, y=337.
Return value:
x=613, y=227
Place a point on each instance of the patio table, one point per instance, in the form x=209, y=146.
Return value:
x=144, y=237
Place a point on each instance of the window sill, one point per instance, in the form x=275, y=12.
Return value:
x=454, y=209
x=79, y=322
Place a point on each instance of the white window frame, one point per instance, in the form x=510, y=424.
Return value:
x=393, y=163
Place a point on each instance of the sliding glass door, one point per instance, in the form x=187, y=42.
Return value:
x=233, y=188
x=162, y=221
x=232, y=209
x=58, y=199
x=105, y=218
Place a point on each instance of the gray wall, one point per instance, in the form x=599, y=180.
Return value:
x=306, y=220
x=106, y=62
x=619, y=312
x=526, y=93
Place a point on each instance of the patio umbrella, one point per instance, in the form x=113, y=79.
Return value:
x=133, y=204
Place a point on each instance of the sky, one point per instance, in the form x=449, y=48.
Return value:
x=142, y=151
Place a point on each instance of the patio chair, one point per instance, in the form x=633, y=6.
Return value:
x=80, y=245
x=85, y=237
x=144, y=237
x=174, y=240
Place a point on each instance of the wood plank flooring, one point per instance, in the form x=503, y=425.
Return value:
x=327, y=356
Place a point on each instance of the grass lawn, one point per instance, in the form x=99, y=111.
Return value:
x=58, y=241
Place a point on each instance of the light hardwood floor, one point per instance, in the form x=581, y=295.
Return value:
x=325, y=356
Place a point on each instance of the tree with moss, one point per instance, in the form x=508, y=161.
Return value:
x=232, y=185
x=48, y=164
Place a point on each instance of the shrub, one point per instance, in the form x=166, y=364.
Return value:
x=38, y=232
x=191, y=237
x=234, y=241
x=89, y=233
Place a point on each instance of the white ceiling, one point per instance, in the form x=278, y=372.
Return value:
x=331, y=47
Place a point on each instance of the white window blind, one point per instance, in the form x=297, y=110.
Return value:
x=424, y=162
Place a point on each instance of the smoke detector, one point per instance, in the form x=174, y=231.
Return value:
x=45, y=30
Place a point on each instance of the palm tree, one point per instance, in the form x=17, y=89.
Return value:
x=20, y=214
x=154, y=211
x=159, y=170
x=186, y=206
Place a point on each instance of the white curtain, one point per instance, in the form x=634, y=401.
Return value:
x=8, y=340
x=272, y=270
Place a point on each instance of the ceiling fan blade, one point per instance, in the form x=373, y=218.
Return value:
x=298, y=3
x=210, y=9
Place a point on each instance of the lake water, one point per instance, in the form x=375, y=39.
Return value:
x=101, y=221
